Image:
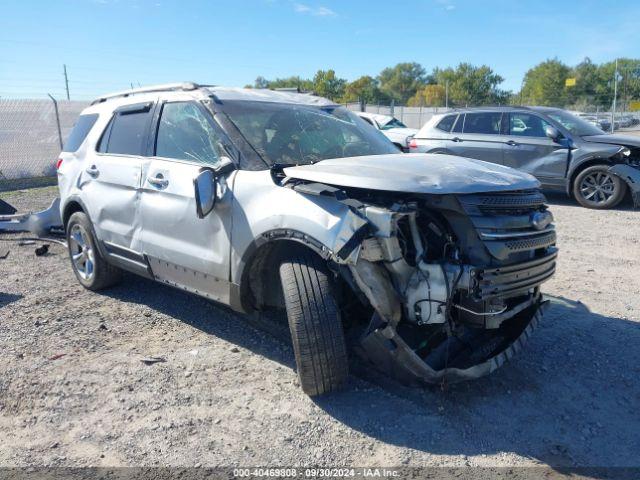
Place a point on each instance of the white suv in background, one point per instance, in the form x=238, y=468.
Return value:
x=392, y=128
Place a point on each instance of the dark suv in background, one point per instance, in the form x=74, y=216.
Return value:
x=565, y=152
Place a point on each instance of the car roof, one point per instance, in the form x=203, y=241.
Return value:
x=505, y=108
x=220, y=94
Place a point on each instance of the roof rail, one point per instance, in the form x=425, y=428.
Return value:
x=167, y=87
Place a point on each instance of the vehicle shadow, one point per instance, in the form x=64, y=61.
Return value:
x=7, y=298
x=568, y=400
x=250, y=332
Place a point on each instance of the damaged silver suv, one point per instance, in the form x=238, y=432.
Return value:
x=266, y=200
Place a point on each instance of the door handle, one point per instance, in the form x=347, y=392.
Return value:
x=456, y=139
x=512, y=143
x=158, y=181
x=93, y=171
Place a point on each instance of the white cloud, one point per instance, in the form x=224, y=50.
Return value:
x=319, y=11
x=447, y=5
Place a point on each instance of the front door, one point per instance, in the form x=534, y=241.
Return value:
x=182, y=249
x=529, y=149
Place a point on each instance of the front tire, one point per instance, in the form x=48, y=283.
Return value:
x=90, y=268
x=596, y=187
x=314, y=321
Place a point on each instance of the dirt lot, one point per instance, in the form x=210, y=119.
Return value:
x=74, y=392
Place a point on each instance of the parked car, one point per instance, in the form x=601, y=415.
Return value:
x=273, y=201
x=566, y=153
x=392, y=128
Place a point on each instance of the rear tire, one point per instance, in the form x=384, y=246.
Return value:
x=595, y=187
x=90, y=268
x=314, y=321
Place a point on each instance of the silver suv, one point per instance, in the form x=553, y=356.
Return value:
x=565, y=152
x=267, y=200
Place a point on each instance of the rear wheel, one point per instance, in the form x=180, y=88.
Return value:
x=314, y=321
x=596, y=187
x=91, y=270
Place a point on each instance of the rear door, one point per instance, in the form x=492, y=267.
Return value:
x=479, y=137
x=111, y=179
x=529, y=149
x=182, y=249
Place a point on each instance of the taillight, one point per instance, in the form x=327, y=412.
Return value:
x=413, y=143
x=58, y=163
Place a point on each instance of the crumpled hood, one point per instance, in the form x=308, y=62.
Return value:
x=416, y=173
x=626, y=140
x=401, y=131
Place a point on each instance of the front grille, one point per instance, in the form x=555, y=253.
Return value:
x=532, y=243
x=510, y=203
x=504, y=221
x=514, y=279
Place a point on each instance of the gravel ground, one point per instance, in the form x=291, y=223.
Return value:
x=74, y=392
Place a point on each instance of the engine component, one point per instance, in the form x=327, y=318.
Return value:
x=427, y=293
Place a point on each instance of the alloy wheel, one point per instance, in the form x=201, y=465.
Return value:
x=597, y=187
x=81, y=252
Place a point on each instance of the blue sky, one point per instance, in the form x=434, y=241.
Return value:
x=109, y=44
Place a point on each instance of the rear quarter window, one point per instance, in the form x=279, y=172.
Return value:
x=80, y=131
x=446, y=123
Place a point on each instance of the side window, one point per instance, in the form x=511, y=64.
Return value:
x=126, y=133
x=446, y=123
x=485, y=123
x=526, y=125
x=185, y=133
x=80, y=131
x=457, y=128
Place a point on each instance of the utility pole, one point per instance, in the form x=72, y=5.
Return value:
x=66, y=81
x=615, y=94
x=55, y=106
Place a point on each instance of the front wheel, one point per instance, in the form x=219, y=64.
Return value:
x=314, y=321
x=596, y=187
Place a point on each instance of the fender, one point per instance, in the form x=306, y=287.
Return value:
x=589, y=154
x=631, y=176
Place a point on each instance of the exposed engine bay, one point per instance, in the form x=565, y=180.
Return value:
x=452, y=281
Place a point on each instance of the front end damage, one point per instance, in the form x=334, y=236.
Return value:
x=449, y=284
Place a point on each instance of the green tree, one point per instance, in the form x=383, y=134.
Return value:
x=402, y=81
x=326, y=84
x=261, y=82
x=583, y=94
x=364, y=89
x=544, y=84
x=471, y=85
x=428, y=96
x=304, y=85
x=628, y=82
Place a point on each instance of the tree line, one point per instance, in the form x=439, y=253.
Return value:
x=409, y=83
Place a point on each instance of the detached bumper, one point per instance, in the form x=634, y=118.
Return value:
x=631, y=176
x=39, y=223
x=391, y=354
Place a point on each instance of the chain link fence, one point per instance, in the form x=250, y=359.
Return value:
x=31, y=132
x=412, y=117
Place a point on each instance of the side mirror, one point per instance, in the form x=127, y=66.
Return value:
x=552, y=132
x=205, y=192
